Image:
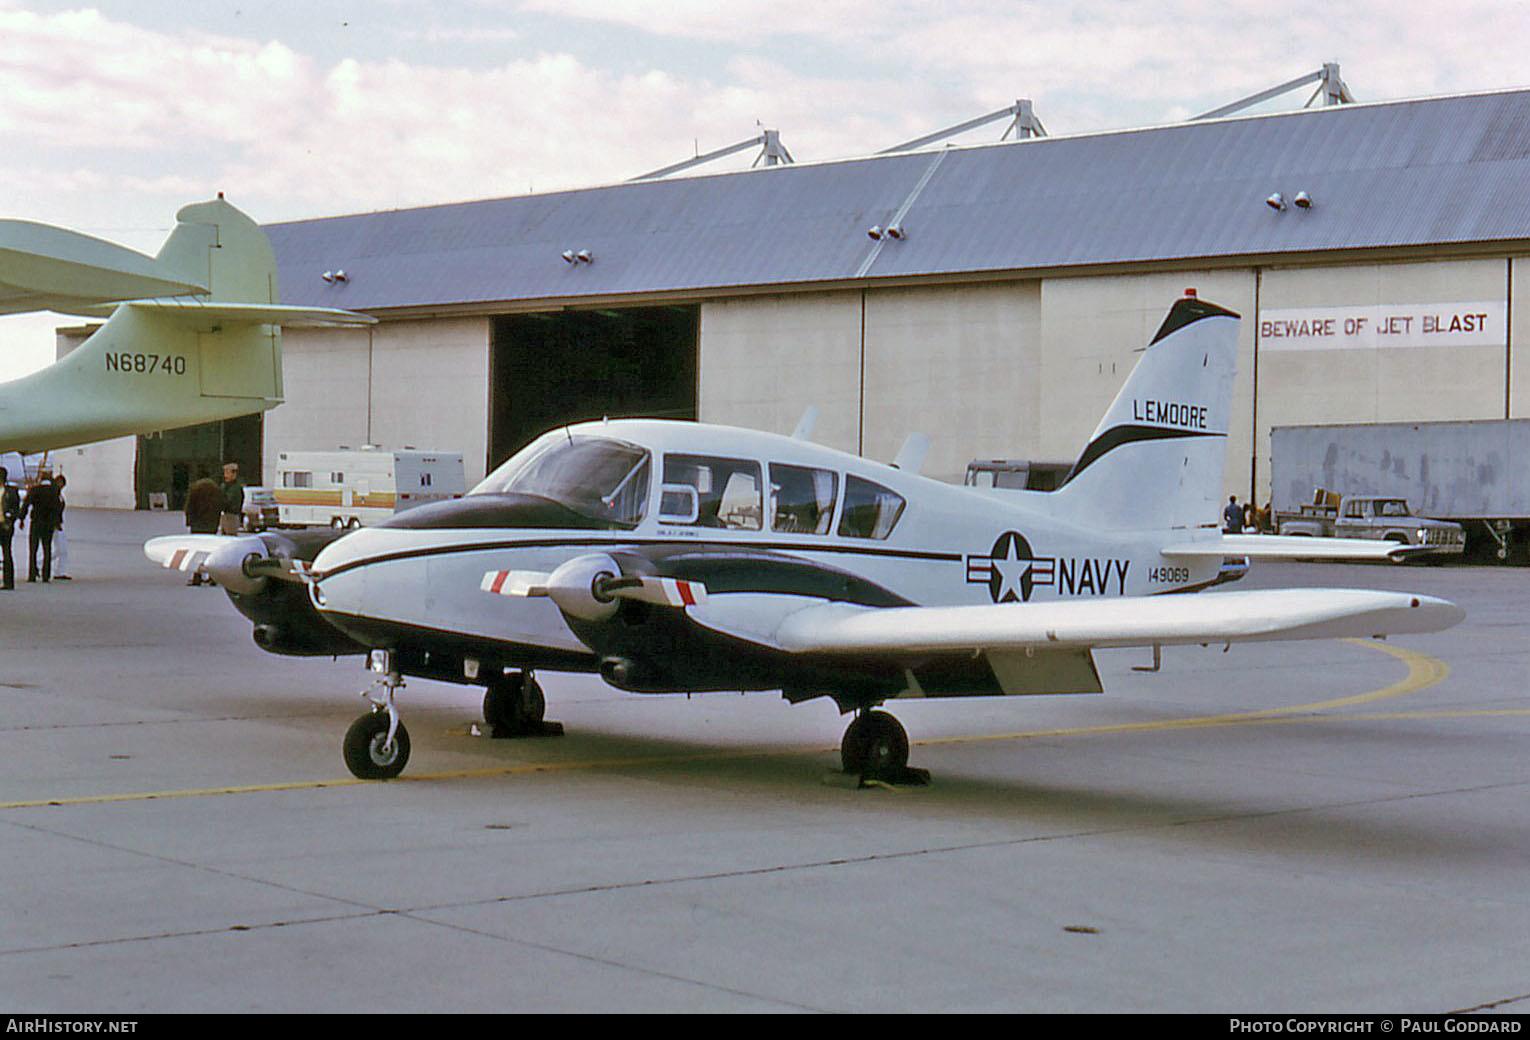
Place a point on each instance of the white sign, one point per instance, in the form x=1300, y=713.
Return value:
x=1385, y=325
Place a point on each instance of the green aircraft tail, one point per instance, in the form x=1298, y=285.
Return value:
x=171, y=361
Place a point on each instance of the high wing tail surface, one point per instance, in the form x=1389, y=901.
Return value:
x=172, y=361
x=1157, y=458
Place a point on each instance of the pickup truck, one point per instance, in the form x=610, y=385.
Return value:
x=1382, y=517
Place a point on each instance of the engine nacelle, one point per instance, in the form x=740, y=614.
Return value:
x=577, y=587
x=228, y=565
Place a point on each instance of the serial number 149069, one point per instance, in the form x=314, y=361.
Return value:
x=1169, y=575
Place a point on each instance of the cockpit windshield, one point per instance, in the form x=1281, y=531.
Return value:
x=596, y=477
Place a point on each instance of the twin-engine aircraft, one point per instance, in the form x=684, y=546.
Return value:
x=673, y=557
x=193, y=333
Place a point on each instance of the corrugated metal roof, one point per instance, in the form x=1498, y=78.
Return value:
x=1404, y=174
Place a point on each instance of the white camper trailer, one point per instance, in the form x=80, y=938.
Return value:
x=352, y=487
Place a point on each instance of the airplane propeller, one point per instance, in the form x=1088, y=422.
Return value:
x=590, y=587
x=241, y=565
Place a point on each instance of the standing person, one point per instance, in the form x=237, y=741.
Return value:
x=43, y=503
x=233, y=499
x=204, y=510
x=1232, y=516
x=10, y=510
x=60, y=543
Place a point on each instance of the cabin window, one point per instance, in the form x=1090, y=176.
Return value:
x=871, y=510
x=726, y=492
x=802, y=499
x=297, y=478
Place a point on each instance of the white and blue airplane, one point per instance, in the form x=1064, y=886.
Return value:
x=675, y=556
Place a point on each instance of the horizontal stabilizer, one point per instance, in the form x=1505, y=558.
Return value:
x=1289, y=547
x=1230, y=617
x=200, y=311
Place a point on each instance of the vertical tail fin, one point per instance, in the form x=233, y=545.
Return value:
x=216, y=245
x=1157, y=458
x=162, y=364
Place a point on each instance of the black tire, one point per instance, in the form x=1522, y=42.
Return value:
x=874, y=745
x=514, y=706
x=365, y=755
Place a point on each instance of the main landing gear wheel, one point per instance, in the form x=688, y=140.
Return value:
x=514, y=706
x=875, y=747
x=368, y=753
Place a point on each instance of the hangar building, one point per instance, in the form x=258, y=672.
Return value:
x=1386, y=282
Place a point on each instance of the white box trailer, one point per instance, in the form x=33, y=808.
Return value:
x=1475, y=472
x=351, y=487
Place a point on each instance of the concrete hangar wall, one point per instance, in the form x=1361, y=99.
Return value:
x=1000, y=323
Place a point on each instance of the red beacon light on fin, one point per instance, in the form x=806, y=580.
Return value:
x=1190, y=294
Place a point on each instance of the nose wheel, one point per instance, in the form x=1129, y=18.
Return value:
x=376, y=747
x=875, y=747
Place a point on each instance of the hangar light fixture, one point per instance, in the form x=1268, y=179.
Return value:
x=583, y=256
x=1276, y=201
x=1303, y=200
x=895, y=231
x=874, y=232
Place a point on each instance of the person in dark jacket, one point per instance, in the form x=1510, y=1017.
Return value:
x=233, y=499
x=204, y=508
x=1232, y=516
x=46, y=507
x=10, y=509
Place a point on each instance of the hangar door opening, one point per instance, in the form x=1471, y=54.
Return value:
x=550, y=369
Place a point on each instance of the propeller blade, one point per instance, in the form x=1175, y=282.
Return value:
x=515, y=583
x=588, y=586
x=182, y=552
x=663, y=592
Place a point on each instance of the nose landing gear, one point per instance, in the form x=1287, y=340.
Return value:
x=376, y=747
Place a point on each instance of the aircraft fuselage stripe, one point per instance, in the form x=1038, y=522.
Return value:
x=616, y=541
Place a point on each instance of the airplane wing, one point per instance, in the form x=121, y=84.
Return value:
x=1223, y=617
x=50, y=268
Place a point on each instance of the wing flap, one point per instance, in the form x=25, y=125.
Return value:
x=1223, y=617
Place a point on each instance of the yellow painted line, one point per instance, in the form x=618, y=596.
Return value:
x=149, y=796
x=1423, y=672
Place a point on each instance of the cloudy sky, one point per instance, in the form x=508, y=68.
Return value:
x=115, y=114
